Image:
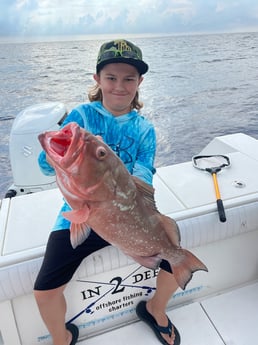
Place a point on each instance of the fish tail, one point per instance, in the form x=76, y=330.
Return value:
x=184, y=269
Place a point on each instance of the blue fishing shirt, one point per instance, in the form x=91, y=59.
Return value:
x=130, y=136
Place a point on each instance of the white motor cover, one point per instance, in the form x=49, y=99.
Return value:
x=24, y=145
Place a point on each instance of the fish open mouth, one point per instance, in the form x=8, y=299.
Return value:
x=61, y=143
x=62, y=146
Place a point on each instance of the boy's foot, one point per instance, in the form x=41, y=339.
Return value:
x=160, y=331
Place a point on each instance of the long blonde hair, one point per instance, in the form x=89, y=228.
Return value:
x=95, y=94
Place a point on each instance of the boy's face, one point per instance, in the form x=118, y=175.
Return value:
x=119, y=83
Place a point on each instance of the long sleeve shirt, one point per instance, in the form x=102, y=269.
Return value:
x=130, y=136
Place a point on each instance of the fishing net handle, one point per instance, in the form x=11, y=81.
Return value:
x=213, y=171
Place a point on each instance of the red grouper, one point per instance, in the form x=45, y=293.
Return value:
x=120, y=208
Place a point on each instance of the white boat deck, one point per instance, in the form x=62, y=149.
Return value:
x=227, y=319
x=218, y=307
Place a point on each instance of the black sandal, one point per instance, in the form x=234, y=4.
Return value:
x=74, y=331
x=145, y=316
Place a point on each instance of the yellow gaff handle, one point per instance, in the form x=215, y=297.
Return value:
x=216, y=186
x=220, y=206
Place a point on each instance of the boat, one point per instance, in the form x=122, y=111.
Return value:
x=216, y=308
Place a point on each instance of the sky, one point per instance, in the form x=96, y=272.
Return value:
x=26, y=18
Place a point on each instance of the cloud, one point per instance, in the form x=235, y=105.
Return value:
x=65, y=17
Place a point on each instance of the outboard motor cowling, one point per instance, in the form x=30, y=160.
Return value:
x=24, y=146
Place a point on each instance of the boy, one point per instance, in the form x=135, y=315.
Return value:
x=112, y=113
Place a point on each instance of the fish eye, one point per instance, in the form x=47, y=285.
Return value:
x=101, y=152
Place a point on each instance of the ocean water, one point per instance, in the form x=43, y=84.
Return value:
x=198, y=87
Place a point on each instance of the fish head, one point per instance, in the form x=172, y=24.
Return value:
x=84, y=164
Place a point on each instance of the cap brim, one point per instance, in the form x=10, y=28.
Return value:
x=141, y=66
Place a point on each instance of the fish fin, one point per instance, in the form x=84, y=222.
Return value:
x=185, y=267
x=148, y=261
x=172, y=230
x=78, y=233
x=147, y=192
x=79, y=228
x=77, y=216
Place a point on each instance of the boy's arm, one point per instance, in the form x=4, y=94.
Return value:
x=144, y=165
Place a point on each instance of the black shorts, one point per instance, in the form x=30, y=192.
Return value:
x=61, y=260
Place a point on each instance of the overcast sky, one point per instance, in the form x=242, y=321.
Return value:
x=26, y=18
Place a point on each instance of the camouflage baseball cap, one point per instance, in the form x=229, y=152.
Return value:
x=121, y=51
